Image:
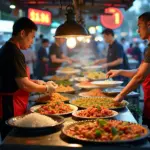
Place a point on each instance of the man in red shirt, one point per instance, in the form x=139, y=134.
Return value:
x=142, y=74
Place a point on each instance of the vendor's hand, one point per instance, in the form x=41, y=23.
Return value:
x=118, y=99
x=51, y=87
x=96, y=62
x=112, y=73
x=52, y=84
x=69, y=61
x=104, y=66
x=40, y=82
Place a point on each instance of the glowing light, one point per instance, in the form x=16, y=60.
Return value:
x=98, y=38
x=92, y=30
x=53, y=30
x=112, y=21
x=40, y=16
x=12, y=6
x=80, y=38
x=71, y=43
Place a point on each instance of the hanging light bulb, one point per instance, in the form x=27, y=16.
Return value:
x=12, y=6
x=71, y=42
x=80, y=38
x=71, y=28
x=87, y=40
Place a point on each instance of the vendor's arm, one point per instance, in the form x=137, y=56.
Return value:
x=29, y=86
x=139, y=77
x=125, y=73
x=54, y=59
x=100, y=61
x=115, y=63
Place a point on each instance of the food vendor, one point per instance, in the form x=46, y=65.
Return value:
x=115, y=52
x=142, y=74
x=15, y=84
x=57, y=57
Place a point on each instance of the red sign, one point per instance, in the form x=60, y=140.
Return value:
x=40, y=16
x=112, y=21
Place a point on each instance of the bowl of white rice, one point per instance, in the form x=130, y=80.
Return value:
x=35, y=122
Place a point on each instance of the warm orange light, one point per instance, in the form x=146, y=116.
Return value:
x=112, y=21
x=40, y=16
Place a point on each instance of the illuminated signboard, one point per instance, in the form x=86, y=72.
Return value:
x=40, y=16
x=112, y=21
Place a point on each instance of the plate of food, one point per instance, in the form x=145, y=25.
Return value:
x=65, y=89
x=68, y=70
x=96, y=76
x=56, y=77
x=107, y=102
x=112, y=91
x=81, y=79
x=105, y=131
x=85, y=85
x=94, y=113
x=35, y=122
x=53, y=97
x=92, y=67
x=92, y=93
x=107, y=83
x=54, y=108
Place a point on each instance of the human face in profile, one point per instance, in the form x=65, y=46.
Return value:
x=143, y=29
x=27, y=39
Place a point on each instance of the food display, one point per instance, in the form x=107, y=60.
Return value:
x=96, y=75
x=101, y=130
x=55, y=77
x=63, y=82
x=107, y=83
x=95, y=112
x=92, y=67
x=65, y=89
x=68, y=70
x=93, y=92
x=81, y=79
x=86, y=84
x=54, y=107
x=107, y=102
x=35, y=120
x=58, y=97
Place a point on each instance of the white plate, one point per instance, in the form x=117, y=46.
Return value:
x=84, y=94
x=74, y=108
x=107, y=84
x=86, y=86
x=115, y=113
x=80, y=79
x=69, y=72
x=91, y=67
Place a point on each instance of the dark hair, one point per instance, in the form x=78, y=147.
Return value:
x=23, y=23
x=108, y=31
x=145, y=17
x=45, y=41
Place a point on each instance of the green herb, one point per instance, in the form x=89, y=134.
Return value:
x=98, y=107
x=114, y=131
x=102, y=122
x=98, y=133
x=137, y=136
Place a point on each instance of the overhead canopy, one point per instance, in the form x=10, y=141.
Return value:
x=84, y=4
